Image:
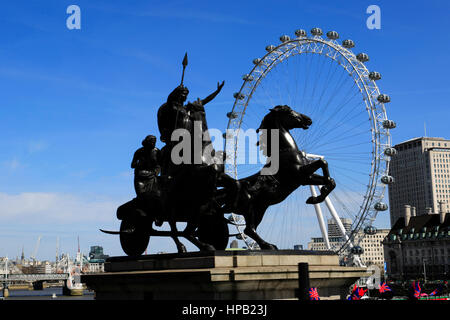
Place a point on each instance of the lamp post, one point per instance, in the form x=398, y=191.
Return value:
x=424, y=271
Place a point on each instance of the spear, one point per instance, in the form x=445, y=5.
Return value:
x=185, y=62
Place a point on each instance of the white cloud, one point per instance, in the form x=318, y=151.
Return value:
x=45, y=208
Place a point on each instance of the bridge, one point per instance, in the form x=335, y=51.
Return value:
x=34, y=277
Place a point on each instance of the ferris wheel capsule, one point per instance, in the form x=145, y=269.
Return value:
x=389, y=124
x=357, y=250
x=256, y=61
x=300, y=33
x=387, y=179
x=247, y=77
x=270, y=48
x=232, y=115
x=374, y=76
x=363, y=57
x=370, y=230
x=285, y=38
x=227, y=135
x=316, y=32
x=238, y=95
x=384, y=98
x=380, y=206
x=390, y=151
x=348, y=43
x=332, y=35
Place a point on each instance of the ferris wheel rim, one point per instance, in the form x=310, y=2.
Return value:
x=360, y=75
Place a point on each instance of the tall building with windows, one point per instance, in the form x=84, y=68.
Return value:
x=333, y=229
x=335, y=237
x=373, y=252
x=96, y=254
x=421, y=172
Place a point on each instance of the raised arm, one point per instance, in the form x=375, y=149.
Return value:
x=214, y=94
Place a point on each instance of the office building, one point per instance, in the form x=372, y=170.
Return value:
x=372, y=245
x=421, y=172
x=96, y=254
x=335, y=237
x=373, y=252
x=333, y=230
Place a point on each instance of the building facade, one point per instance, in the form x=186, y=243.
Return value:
x=418, y=247
x=96, y=253
x=333, y=230
x=372, y=245
x=373, y=253
x=421, y=172
x=318, y=244
x=335, y=237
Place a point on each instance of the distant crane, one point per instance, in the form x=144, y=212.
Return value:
x=33, y=256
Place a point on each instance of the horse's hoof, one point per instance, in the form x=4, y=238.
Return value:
x=312, y=200
x=332, y=183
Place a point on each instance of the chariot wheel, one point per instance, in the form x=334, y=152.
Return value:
x=133, y=238
x=325, y=80
x=214, y=231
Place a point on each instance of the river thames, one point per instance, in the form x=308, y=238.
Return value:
x=54, y=293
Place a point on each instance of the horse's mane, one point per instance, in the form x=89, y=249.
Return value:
x=274, y=111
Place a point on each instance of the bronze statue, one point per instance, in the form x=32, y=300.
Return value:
x=201, y=193
x=147, y=166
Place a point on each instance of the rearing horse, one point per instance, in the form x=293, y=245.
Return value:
x=294, y=170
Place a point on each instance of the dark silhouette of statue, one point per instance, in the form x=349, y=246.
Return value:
x=200, y=192
x=172, y=114
x=147, y=166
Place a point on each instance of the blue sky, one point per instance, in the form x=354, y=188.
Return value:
x=75, y=104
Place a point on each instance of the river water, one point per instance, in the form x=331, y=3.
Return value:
x=46, y=294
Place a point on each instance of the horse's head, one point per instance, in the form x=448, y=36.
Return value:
x=285, y=117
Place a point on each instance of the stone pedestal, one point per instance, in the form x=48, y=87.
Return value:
x=221, y=275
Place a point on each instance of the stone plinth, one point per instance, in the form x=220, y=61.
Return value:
x=221, y=275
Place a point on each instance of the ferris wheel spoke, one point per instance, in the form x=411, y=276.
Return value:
x=287, y=76
x=342, y=137
x=318, y=75
x=337, y=88
x=323, y=125
x=351, y=145
x=344, y=207
x=317, y=110
x=344, y=121
x=350, y=169
x=341, y=173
